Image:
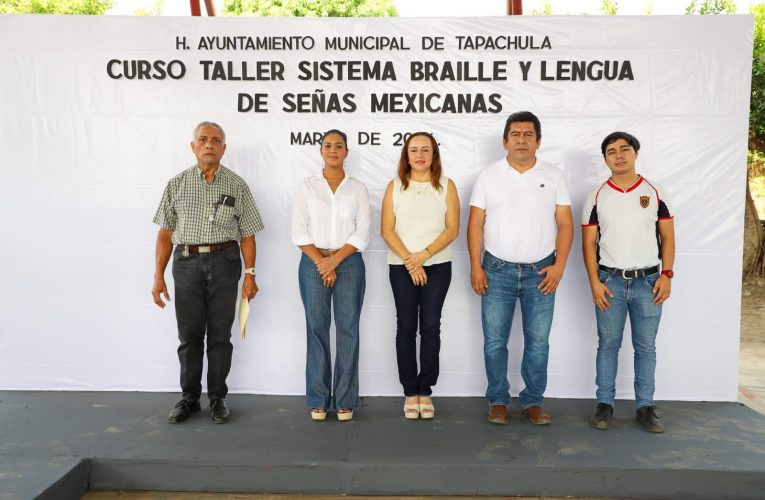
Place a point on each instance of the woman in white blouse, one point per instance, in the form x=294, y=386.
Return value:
x=420, y=219
x=330, y=225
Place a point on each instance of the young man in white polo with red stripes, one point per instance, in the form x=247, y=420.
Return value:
x=628, y=242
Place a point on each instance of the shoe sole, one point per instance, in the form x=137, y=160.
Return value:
x=318, y=415
x=344, y=417
x=500, y=421
x=601, y=425
x=220, y=420
x=541, y=422
x=654, y=430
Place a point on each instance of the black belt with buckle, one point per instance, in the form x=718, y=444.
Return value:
x=630, y=274
x=208, y=248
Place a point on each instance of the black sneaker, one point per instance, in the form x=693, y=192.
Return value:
x=647, y=417
x=604, y=413
x=183, y=409
x=218, y=411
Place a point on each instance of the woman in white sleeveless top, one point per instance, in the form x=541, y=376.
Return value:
x=420, y=219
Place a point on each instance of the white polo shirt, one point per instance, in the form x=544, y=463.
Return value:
x=520, y=209
x=627, y=220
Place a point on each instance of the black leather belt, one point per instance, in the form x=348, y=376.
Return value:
x=208, y=248
x=630, y=274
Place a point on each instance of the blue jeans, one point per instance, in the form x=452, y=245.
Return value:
x=423, y=305
x=206, y=288
x=345, y=298
x=633, y=297
x=508, y=282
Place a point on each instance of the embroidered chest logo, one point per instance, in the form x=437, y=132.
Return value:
x=644, y=201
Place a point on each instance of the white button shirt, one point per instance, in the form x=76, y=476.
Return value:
x=330, y=220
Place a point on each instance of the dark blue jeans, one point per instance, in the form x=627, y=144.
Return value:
x=424, y=303
x=206, y=288
x=346, y=298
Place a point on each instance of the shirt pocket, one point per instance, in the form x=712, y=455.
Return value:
x=225, y=217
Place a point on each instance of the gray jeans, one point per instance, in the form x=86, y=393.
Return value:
x=206, y=288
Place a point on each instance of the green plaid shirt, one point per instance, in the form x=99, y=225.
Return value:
x=199, y=213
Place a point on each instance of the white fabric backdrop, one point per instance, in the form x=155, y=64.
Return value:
x=86, y=158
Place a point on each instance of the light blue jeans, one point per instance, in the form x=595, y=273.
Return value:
x=509, y=282
x=633, y=297
x=345, y=299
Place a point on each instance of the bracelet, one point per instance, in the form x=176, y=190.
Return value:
x=332, y=257
x=429, y=252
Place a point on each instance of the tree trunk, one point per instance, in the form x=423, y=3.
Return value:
x=753, y=237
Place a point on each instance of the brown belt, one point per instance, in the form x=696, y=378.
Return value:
x=208, y=248
x=327, y=252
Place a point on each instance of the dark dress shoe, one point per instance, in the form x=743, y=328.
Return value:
x=604, y=413
x=183, y=410
x=647, y=417
x=537, y=415
x=498, y=414
x=219, y=411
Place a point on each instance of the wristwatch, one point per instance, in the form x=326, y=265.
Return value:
x=250, y=270
x=668, y=273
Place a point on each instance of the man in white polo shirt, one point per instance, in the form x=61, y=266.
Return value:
x=627, y=232
x=520, y=217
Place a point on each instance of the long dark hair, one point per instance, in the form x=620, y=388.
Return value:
x=405, y=169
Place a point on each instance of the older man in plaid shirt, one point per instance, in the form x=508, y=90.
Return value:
x=207, y=212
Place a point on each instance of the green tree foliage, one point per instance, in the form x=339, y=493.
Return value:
x=648, y=9
x=78, y=7
x=705, y=7
x=757, y=104
x=546, y=10
x=609, y=7
x=155, y=10
x=310, y=8
x=753, y=253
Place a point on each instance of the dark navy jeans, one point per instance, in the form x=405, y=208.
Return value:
x=423, y=305
x=206, y=288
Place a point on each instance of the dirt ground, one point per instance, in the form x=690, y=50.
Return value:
x=751, y=383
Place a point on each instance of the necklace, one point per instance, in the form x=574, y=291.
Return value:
x=419, y=187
